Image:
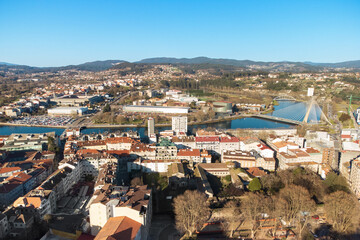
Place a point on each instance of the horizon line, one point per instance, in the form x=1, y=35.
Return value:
x=215, y=58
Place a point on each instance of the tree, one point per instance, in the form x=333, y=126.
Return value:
x=200, y=116
x=271, y=183
x=263, y=135
x=232, y=217
x=89, y=178
x=342, y=209
x=52, y=145
x=191, y=211
x=253, y=206
x=107, y=108
x=305, y=178
x=255, y=185
x=344, y=117
x=211, y=114
x=335, y=182
x=295, y=204
x=136, y=182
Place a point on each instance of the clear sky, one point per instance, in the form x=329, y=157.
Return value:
x=55, y=33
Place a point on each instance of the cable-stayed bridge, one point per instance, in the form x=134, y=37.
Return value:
x=298, y=113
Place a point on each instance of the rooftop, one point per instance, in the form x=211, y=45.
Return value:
x=213, y=166
x=188, y=152
x=207, y=139
x=119, y=228
x=9, y=169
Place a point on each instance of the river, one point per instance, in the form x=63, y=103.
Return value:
x=244, y=123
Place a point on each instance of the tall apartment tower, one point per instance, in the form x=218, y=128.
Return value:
x=151, y=127
x=179, y=124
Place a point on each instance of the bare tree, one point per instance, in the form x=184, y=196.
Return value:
x=254, y=207
x=342, y=209
x=296, y=205
x=191, y=211
x=232, y=217
x=263, y=135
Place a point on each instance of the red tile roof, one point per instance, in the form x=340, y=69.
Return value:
x=207, y=139
x=87, y=151
x=115, y=140
x=263, y=147
x=9, y=169
x=229, y=139
x=256, y=172
x=119, y=152
x=188, y=152
x=20, y=177
x=119, y=228
x=345, y=136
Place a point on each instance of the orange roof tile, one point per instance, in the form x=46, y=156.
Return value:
x=9, y=169
x=188, y=152
x=19, y=177
x=28, y=202
x=117, y=228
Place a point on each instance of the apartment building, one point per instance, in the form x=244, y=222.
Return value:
x=194, y=156
x=179, y=124
x=241, y=159
x=184, y=142
x=355, y=176
x=117, y=201
x=229, y=144
x=147, y=166
x=31, y=141
x=212, y=144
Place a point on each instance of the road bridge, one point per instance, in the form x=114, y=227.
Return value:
x=274, y=118
x=284, y=98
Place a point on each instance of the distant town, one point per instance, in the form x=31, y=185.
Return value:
x=156, y=150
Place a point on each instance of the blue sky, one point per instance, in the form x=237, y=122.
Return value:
x=55, y=33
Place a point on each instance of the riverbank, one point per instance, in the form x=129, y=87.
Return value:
x=210, y=121
x=31, y=125
x=218, y=120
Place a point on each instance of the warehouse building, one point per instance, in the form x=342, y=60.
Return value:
x=155, y=109
x=76, y=100
x=61, y=111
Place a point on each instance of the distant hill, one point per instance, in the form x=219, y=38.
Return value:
x=217, y=64
x=199, y=60
x=246, y=63
x=88, y=66
x=6, y=63
x=268, y=66
x=347, y=64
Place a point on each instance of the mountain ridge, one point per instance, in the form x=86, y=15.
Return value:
x=271, y=65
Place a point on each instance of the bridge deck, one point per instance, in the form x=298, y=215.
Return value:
x=279, y=119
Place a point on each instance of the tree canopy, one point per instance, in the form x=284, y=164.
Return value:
x=191, y=211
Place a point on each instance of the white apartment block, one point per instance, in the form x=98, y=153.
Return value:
x=179, y=124
x=355, y=176
x=116, y=201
